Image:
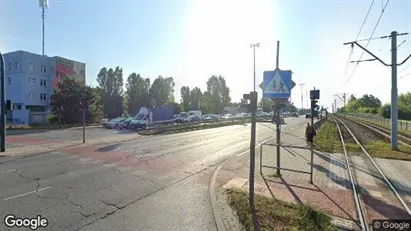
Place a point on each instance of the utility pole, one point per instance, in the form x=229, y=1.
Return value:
x=345, y=99
x=3, y=106
x=394, y=89
x=302, y=98
x=253, y=97
x=253, y=46
x=335, y=106
x=306, y=98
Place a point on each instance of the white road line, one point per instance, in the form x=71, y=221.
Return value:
x=85, y=159
x=12, y=170
x=25, y=194
x=110, y=165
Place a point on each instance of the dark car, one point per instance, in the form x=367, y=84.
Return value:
x=308, y=115
x=294, y=114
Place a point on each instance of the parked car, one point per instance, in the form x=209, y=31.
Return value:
x=308, y=115
x=294, y=114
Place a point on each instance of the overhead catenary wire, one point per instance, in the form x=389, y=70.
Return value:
x=373, y=31
x=358, y=35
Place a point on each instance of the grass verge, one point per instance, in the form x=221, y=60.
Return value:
x=190, y=127
x=328, y=138
x=381, y=149
x=278, y=215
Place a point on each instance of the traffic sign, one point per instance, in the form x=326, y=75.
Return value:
x=277, y=84
x=293, y=84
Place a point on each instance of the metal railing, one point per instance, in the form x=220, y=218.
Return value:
x=402, y=125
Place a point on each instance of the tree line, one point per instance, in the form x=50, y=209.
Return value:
x=114, y=97
x=372, y=105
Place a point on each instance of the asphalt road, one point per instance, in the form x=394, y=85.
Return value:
x=151, y=183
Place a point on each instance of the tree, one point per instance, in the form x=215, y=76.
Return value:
x=195, y=98
x=70, y=98
x=266, y=104
x=178, y=108
x=290, y=107
x=369, y=101
x=185, y=98
x=220, y=93
x=162, y=90
x=136, y=93
x=207, y=106
x=111, y=84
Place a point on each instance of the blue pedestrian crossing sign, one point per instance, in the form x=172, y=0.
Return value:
x=277, y=84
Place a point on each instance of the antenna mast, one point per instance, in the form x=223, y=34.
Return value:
x=44, y=4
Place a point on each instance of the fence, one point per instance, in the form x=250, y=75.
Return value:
x=402, y=125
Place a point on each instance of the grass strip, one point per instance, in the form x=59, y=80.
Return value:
x=274, y=214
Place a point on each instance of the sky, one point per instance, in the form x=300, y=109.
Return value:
x=194, y=39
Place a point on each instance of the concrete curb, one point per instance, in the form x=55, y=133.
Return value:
x=214, y=205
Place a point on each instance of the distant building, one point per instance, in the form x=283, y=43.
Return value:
x=30, y=81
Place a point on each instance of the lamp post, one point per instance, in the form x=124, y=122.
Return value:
x=302, y=96
x=253, y=46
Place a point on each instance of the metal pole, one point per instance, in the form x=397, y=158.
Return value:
x=3, y=106
x=335, y=106
x=84, y=125
x=278, y=134
x=394, y=92
x=312, y=114
x=253, y=102
x=254, y=67
x=312, y=163
x=306, y=98
x=43, y=16
x=278, y=55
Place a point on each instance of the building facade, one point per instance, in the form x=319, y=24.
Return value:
x=30, y=80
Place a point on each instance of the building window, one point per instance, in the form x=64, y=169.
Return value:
x=31, y=67
x=9, y=66
x=16, y=65
x=43, y=69
x=45, y=83
x=9, y=79
x=51, y=69
x=32, y=81
x=43, y=96
x=32, y=95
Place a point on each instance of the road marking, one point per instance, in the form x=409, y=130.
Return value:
x=25, y=194
x=12, y=170
x=96, y=162
x=85, y=159
x=110, y=165
x=73, y=157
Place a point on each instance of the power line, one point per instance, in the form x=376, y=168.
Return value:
x=358, y=35
x=373, y=31
x=401, y=43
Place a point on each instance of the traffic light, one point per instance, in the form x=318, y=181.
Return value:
x=9, y=105
x=314, y=104
x=252, y=98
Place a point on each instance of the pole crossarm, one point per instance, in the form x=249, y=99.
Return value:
x=369, y=52
x=364, y=60
x=405, y=60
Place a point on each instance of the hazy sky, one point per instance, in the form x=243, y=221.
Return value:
x=192, y=40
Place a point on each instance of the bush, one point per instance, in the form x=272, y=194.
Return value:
x=53, y=119
x=374, y=110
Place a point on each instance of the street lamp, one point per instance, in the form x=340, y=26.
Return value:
x=302, y=96
x=253, y=46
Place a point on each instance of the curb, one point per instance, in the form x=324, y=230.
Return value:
x=214, y=205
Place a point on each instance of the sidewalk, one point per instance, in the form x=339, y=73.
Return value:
x=329, y=191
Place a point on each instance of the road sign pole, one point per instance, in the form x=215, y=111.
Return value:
x=84, y=125
x=253, y=102
x=278, y=135
x=3, y=106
